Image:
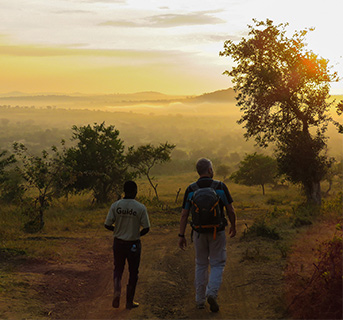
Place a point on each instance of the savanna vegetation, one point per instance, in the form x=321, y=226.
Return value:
x=61, y=167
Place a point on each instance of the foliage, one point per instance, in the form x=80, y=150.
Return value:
x=5, y=162
x=255, y=169
x=283, y=90
x=300, y=158
x=333, y=208
x=260, y=229
x=320, y=297
x=336, y=169
x=97, y=161
x=40, y=173
x=223, y=170
x=10, y=188
x=145, y=157
x=303, y=215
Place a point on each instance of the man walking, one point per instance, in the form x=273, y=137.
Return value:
x=128, y=216
x=209, y=238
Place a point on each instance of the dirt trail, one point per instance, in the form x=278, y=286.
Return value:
x=83, y=290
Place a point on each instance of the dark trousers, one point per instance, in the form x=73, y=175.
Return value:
x=122, y=251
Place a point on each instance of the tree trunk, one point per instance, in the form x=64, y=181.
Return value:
x=329, y=188
x=153, y=186
x=313, y=193
x=262, y=185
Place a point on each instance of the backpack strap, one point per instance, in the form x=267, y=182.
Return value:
x=194, y=186
x=215, y=184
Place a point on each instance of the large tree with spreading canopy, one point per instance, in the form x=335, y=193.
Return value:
x=283, y=91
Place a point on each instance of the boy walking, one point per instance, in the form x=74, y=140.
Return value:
x=125, y=218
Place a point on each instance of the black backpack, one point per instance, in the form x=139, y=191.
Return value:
x=206, y=213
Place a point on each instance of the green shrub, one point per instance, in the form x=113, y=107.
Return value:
x=304, y=214
x=261, y=229
x=333, y=207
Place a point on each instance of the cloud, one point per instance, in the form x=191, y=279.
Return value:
x=215, y=37
x=72, y=12
x=168, y=21
x=41, y=51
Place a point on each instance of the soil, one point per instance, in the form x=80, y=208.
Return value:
x=251, y=289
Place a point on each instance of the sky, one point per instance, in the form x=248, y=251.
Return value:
x=127, y=46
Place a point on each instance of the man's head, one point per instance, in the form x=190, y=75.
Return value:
x=204, y=168
x=130, y=189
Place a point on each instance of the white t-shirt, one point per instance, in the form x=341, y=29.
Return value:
x=128, y=216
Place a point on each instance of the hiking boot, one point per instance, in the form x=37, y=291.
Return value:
x=117, y=292
x=214, y=307
x=115, y=302
x=130, y=293
x=132, y=305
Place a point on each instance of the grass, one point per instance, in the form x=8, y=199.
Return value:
x=77, y=215
x=274, y=222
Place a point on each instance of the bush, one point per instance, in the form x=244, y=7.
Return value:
x=333, y=207
x=321, y=295
x=261, y=229
x=34, y=222
x=303, y=215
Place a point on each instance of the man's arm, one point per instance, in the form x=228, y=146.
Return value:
x=232, y=218
x=183, y=225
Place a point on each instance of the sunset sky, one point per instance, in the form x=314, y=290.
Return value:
x=126, y=46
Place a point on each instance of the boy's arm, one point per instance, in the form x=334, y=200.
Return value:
x=145, y=222
x=111, y=228
x=144, y=231
x=110, y=219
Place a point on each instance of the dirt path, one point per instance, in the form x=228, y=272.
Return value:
x=83, y=290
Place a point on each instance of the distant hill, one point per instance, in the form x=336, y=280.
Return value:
x=81, y=101
x=76, y=100
x=216, y=96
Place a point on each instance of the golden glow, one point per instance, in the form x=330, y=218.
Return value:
x=104, y=46
x=45, y=69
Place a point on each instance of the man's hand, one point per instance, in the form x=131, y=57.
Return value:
x=183, y=224
x=182, y=243
x=232, y=232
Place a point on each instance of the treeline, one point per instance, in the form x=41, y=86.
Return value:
x=97, y=162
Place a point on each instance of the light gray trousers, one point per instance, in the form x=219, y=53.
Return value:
x=208, y=252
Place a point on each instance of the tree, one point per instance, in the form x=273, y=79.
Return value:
x=5, y=161
x=223, y=170
x=335, y=170
x=256, y=169
x=97, y=160
x=10, y=181
x=145, y=157
x=40, y=172
x=283, y=89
